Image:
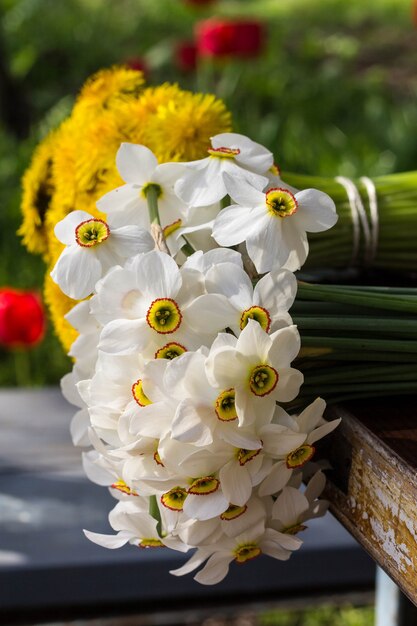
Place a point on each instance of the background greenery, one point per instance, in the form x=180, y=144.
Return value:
x=333, y=93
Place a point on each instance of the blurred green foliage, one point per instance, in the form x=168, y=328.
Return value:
x=322, y=616
x=333, y=93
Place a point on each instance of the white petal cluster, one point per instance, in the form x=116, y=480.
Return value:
x=183, y=362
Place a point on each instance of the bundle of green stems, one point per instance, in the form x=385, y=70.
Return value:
x=356, y=342
x=396, y=199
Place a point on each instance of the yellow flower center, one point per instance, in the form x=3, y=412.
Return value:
x=174, y=498
x=170, y=351
x=233, y=512
x=293, y=530
x=171, y=228
x=151, y=543
x=274, y=169
x=280, y=202
x=225, y=406
x=204, y=486
x=263, y=379
x=154, y=186
x=244, y=456
x=120, y=485
x=157, y=459
x=223, y=153
x=164, y=316
x=139, y=395
x=299, y=457
x=91, y=232
x=246, y=552
x=257, y=313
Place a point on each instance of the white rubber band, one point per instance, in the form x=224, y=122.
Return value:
x=374, y=215
x=359, y=217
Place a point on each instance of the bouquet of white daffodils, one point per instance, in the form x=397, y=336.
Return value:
x=184, y=353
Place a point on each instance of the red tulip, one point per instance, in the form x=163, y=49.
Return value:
x=221, y=38
x=186, y=56
x=22, y=319
x=137, y=63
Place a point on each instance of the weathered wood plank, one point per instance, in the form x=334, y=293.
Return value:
x=373, y=484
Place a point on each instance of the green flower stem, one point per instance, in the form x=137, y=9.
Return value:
x=156, y=514
x=356, y=342
x=381, y=345
x=152, y=193
x=406, y=327
x=397, y=201
x=187, y=248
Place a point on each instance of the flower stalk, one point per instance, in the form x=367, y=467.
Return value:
x=356, y=342
x=396, y=196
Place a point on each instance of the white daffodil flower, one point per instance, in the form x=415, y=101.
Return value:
x=84, y=350
x=80, y=422
x=268, y=303
x=273, y=223
x=204, y=413
x=241, y=549
x=203, y=184
x=310, y=427
x=292, y=508
x=134, y=526
x=167, y=311
x=257, y=367
x=138, y=167
x=92, y=248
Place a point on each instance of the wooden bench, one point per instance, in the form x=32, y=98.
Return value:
x=373, y=486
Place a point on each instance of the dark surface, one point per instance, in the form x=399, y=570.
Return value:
x=394, y=421
x=47, y=566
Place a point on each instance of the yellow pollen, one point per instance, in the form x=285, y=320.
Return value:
x=263, y=379
x=225, y=406
x=139, y=395
x=299, y=457
x=281, y=202
x=164, y=316
x=170, y=351
x=247, y=552
x=257, y=313
x=91, y=232
x=223, y=153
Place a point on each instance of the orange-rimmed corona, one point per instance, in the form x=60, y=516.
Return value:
x=299, y=457
x=139, y=395
x=257, y=313
x=92, y=232
x=164, y=316
x=281, y=202
x=263, y=379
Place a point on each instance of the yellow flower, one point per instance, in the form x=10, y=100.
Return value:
x=59, y=304
x=106, y=87
x=181, y=126
x=38, y=189
x=75, y=166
